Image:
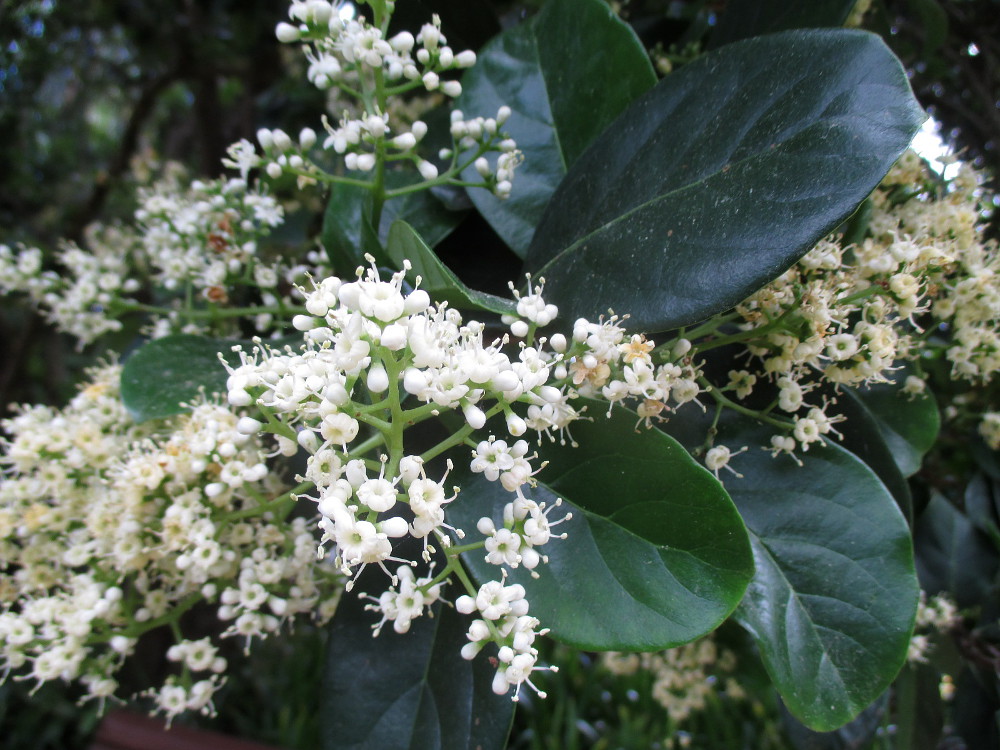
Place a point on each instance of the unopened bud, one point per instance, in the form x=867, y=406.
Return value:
x=286, y=33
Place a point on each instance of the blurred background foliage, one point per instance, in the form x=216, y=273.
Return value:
x=89, y=89
x=93, y=93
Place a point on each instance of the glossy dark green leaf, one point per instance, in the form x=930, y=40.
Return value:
x=856, y=734
x=982, y=505
x=743, y=19
x=835, y=594
x=919, y=714
x=411, y=691
x=933, y=23
x=862, y=436
x=566, y=74
x=908, y=424
x=986, y=458
x=167, y=372
x=953, y=556
x=436, y=279
x=344, y=235
x=722, y=176
x=342, y=227
x=656, y=554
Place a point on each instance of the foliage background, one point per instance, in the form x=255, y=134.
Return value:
x=85, y=89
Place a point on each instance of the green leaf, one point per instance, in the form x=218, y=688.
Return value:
x=166, y=372
x=404, y=243
x=347, y=233
x=952, y=554
x=656, y=554
x=908, y=424
x=854, y=735
x=834, y=598
x=408, y=691
x=919, y=715
x=565, y=74
x=743, y=19
x=982, y=504
x=722, y=176
x=863, y=437
x=933, y=24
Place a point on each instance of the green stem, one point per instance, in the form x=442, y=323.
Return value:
x=748, y=335
x=318, y=174
x=397, y=423
x=286, y=498
x=275, y=425
x=860, y=294
x=370, y=444
x=739, y=408
x=136, y=629
x=458, y=437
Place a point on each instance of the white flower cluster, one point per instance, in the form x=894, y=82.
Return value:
x=849, y=314
x=505, y=621
x=685, y=679
x=938, y=614
x=205, y=235
x=989, y=428
x=109, y=529
x=200, y=238
x=353, y=55
x=376, y=361
x=78, y=301
x=342, y=49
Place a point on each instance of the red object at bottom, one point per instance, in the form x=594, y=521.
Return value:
x=124, y=730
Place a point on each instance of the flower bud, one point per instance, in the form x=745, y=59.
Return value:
x=393, y=337
x=304, y=322
x=414, y=381
x=405, y=141
x=395, y=527
x=409, y=468
x=451, y=88
x=550, y=393
x=308, y=440
x=474, y=416
x=249, y=426
x=239, y=397
x=507, y=380
x=282, y=141
x=378, y=379
x=427, y=170
x=307, y=138
x=402, y=42
x=286, y=33
x=515, y=425
x=416, y=302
